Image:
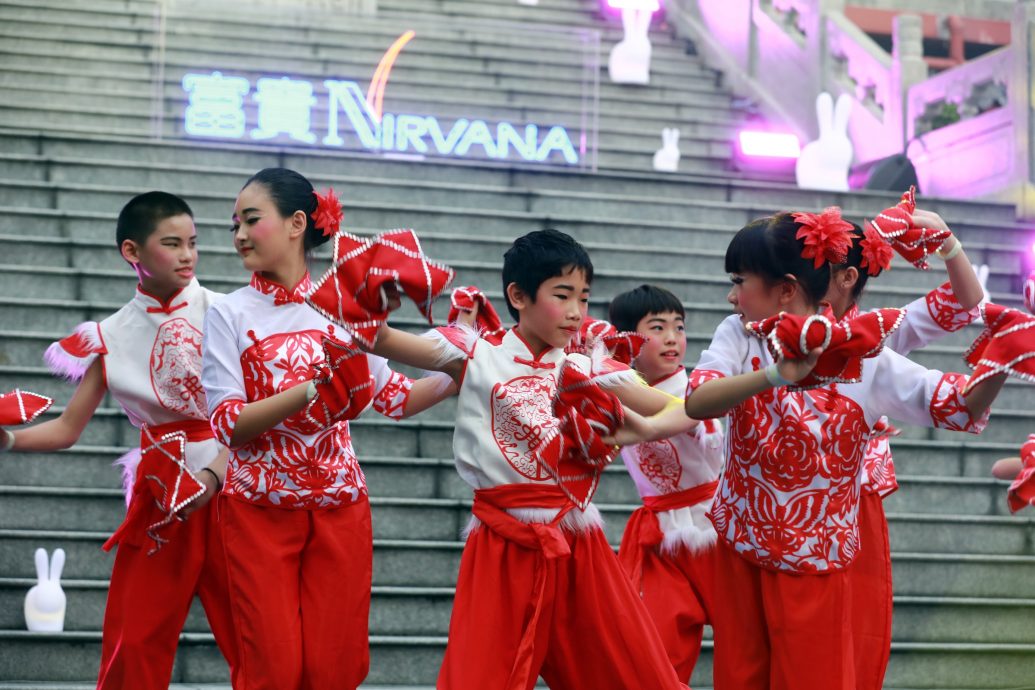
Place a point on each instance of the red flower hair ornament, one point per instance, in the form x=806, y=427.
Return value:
x=328, y=214
x=876, y=252
x=827, y=236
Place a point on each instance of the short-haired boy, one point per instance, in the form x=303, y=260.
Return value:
x=148, y=356
x=668, y=543
x=539, y=591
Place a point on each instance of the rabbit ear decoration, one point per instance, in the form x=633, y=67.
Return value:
x=846, y=343
x=1029, y=292
x=352, y=291
x=827, y=236
x=1007, y=345
x=488, y=322
x=576, y=453
x=895, y=225
x=21, y=407
x=1022, y=490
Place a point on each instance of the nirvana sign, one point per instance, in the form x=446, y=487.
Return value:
x=216, y=102
x=216, y=109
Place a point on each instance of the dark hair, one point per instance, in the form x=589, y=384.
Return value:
x=629, y=308
x=142, y=214
x=768, y=248
x=291, y=192
x=854, y=260
x=538, y=256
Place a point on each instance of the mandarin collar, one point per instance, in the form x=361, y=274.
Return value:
x=281, y=295
x=179, y=299
x=517, y=346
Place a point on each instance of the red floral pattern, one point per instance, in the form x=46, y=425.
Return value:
x=946, y=310
x=949, y=409
x=391, y=400
x=281, y=295
x=523, y=421
x=659, y=463
x=175, y=368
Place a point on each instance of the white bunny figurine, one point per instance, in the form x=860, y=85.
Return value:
x=45, y=603
x=666, y=159
x=824, y=163
x=982, y=271
x=629, y=62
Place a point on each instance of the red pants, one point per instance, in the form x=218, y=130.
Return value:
x=591, y=632
x=780, y=631
x=301, y=594
x=149, y=599
x=678, y=591
x=870, y=580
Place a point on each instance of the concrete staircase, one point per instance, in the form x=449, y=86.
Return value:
x=74, y=117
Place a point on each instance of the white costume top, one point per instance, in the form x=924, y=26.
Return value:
x=926, y=320
x=788, y=498
x=262, y=340
x=151, y=354
x=676, y=464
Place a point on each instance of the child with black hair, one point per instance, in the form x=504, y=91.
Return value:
x=787, y=503
x=539, y=589
x=943, y=311
x=668, y=545
x=282, y=384
x=148, y=356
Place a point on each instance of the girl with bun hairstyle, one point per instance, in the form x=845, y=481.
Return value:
x=282, y=383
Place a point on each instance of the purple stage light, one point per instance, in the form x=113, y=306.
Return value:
x=769, y=144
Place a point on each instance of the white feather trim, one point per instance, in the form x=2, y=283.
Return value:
x=687, y=528
x=446, y=350
x=609, y=373
x=128, y=463
x=576, y=521
x=68, y=366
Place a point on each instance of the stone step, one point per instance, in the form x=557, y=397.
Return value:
x=444, y=519
x=400, y=659
x=997, y=221
x=424, y=611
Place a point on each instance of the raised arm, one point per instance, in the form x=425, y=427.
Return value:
x=423, y=352
x=965, y=284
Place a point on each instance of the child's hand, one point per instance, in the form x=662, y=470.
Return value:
x=929, y=219
x=795, y=370
x=1007, y=468
x=393, y=300
x=211, y=489
x=469, y=318
x=635, y=429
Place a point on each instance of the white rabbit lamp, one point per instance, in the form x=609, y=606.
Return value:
x=666, y=159
x=824, y=163
x=45, y=603
x=629, y=62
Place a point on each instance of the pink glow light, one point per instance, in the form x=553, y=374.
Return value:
x=769, y=144
x=643, y=5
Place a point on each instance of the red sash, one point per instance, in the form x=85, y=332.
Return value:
x=490, y=506
x=643, y=532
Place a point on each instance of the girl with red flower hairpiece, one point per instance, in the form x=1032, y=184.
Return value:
x=941, y=312
x=281, y=384
x=787, y=503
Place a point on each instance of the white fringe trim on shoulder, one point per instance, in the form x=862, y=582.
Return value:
x=446, y=350
x=128, y=463
x=575, y=522
x=85, y=338
x=687, y=528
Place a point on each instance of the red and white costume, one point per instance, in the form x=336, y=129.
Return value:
x=539, y=591
x=926, y=320
x=786, y=509
x=296, y=519
x=150, y=351
x=668, y=545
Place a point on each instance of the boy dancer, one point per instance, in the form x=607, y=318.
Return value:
x=539, y=589
x=148, y=355
x=668, y=545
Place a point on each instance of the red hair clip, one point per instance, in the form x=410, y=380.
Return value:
x=328, y=214
x=876, y=253
x=827, y=236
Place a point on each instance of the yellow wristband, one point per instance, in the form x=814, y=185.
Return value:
x=952, y=253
